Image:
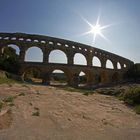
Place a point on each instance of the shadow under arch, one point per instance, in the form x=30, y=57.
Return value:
x=34, y=54
x=58, y=56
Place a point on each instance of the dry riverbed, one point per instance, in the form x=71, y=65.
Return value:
x=48, y=113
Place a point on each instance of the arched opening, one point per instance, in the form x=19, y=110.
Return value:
x=96, y=61
x=58, y=78
x=118, y=65
x=32, y=75
x=34, y=54
x=15, y=47
x=57, y=56
x=82, y=79
x=124, y=65
x=109, y=64
x=29, y=40
x=79, y=59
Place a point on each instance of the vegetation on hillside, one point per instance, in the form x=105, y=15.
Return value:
x=130, y=95
x=9, y=60
x=5, y=80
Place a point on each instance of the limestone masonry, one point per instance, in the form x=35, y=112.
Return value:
x=95, y=75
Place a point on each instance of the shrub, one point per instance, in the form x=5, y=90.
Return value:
x=9, y=99
x=11, y=104
x=110, y=91
x=21, y=94
x=6, y=80
x=137, y=109
x=132, y=96
x=36, y=108
x=36, y=113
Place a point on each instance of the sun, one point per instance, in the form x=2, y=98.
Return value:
x=96, y=29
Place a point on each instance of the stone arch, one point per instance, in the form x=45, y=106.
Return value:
x=13, y=46
x=32, y=75
x=80, y=59
x=124, y=65
x=58, y=56
x=109, y=64
x=96, y=61
x=58, y=77
x=82, y=79
x=118, y=65
x=16, y=47
x=34, y=54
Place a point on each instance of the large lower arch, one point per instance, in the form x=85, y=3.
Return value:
x=82, y=79
x=58, y=56
x=58, y=78
x=34, y=54
x=32, y=75
x=80, y=59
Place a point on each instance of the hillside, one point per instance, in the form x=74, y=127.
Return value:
x=42, y=112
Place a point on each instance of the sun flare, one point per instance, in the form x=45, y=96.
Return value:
x=96, y=29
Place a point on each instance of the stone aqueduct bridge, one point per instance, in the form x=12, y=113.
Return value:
x=94, y=74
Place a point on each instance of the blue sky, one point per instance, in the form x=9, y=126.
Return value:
x=61, y=19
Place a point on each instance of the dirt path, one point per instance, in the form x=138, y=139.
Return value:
x=48, y=113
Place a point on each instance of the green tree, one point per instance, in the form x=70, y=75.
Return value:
x=9, y=60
